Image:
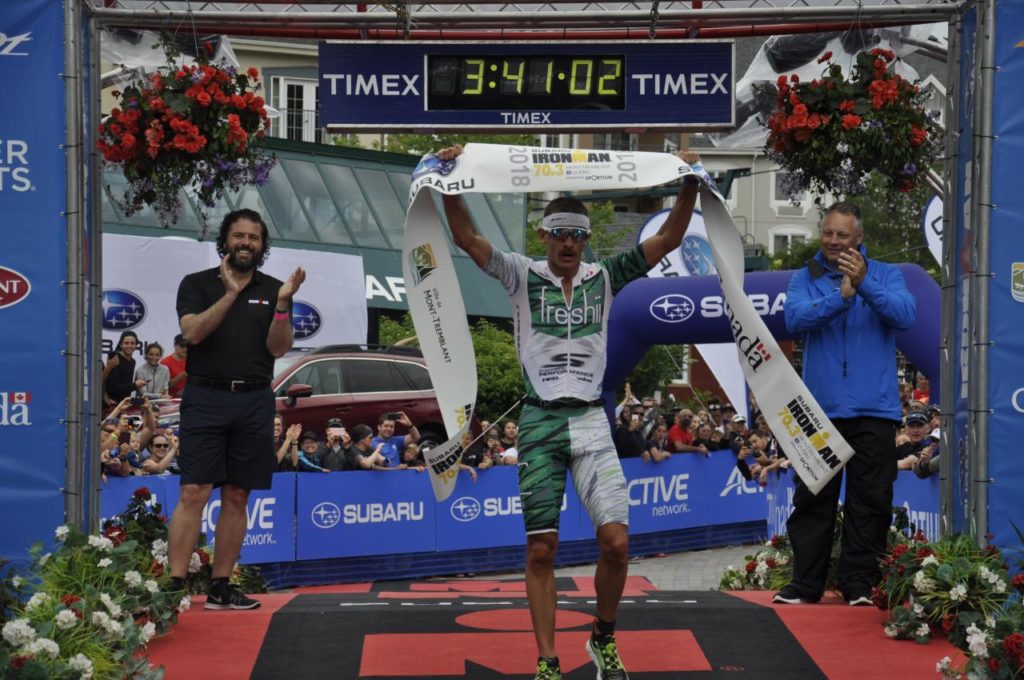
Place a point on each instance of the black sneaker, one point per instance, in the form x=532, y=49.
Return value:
x=229, y=597
x=603, y=652
x=789, y=595
x=859, y=599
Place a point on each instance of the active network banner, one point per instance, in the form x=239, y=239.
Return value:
x=355, y=514
x=33, y=267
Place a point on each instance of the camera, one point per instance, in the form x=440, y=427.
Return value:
x=137, y=401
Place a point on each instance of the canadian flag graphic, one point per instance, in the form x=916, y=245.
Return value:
x=21, y=397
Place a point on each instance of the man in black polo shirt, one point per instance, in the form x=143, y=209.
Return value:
x=236, y=320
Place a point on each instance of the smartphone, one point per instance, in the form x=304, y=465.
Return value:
x=394, y=416
x=335, y=431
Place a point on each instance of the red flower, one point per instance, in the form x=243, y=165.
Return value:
x=204, y=557
x=1018, y=581
x=923, y=553
x=771, y=563
x=116, y=534
x=19, y=660
x=156, y=568
x=776, y=541
x=850, y=121
x=948, y=621
x=751, y=566
x=900, y=549
x=253, y=72
x=917, y=135
x=203, y=99
x=847, y=106
x=68, y=600
x=142, y=494
x=795, y=78
x=825, y=57
x=993, y=664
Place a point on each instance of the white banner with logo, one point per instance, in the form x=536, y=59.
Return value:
x=141, y=277
x=690, y=260
x=806, y=434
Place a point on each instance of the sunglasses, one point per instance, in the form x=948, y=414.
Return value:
x=563, y=233
x=161, y=446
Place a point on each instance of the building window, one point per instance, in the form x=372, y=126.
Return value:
x=788, y=236
x=298, y=101
x=615, y=141
x=781, y=204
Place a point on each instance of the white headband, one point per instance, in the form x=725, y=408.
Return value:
x=564, y=219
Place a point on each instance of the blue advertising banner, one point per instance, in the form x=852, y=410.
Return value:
x=32, y=268
x=1006, y=287
x=919, y=497
x=962, y=268
x=348, y=514
x=270, y=528
x=489, y=514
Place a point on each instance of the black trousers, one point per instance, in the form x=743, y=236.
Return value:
x=867, y=511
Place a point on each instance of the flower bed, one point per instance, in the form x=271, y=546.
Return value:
x=93, y=603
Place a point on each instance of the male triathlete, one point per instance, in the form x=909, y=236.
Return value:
x=561, y=306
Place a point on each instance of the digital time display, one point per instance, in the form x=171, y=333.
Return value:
x=540, y=85
x=546, y=82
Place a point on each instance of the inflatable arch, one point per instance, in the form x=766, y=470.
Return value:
x=691, y=309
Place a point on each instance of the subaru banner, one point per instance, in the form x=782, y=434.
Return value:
x=33, y=267
x=270, y=516
x=919, y=497
x=489, y=514
x=349, y=514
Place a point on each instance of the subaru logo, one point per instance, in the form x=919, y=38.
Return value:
x=122, y=309
x=306, y=320
x=697, y=256
x=672, y=308
x=466, y=509
x=325, y=515
x=431, y=164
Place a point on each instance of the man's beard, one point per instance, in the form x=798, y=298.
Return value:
x=240, y=266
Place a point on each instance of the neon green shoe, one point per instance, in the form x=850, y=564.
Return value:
x=546, y=671
x=605, y=655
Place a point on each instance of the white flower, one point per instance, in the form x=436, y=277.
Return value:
x=929, y=561
x=185, y=604
x=843, y=147
x=999, y=585
x=15, y=581
x=846, y=164
x=152, y=586
x=101, y=543
x=147, y=632
x=44, y=646
x=82, y=664
x=133, y=578
x=161, y=560
x=958, y=593
x=66, y=619
x=103, y=620
x=922, y=583
x=761, y=569
x=112, y=607
x=977, y=641
x=194, y=564
x=943, y=665
x=159, y=547
x=36, y=601
x=891, y=631
x=923, y=631
x=44, y=558
x=782, y=559
x=19, y=632
x=918, y=609
x=62, y=532
x=104, y=563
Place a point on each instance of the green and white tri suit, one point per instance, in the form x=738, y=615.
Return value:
x=562, y=349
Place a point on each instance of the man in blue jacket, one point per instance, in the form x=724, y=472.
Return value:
x=846, y=309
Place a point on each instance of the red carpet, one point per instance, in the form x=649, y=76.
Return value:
x=844, y=643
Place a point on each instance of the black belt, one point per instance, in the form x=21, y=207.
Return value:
x=560, y=403
x=228, y=385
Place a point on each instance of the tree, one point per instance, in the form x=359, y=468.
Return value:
x=654, y=371
x=500, y=380
x=892, y=230
x=418, y=145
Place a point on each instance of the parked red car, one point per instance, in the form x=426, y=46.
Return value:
x=358, y=383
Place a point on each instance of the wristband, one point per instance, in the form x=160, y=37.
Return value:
x=280, y=316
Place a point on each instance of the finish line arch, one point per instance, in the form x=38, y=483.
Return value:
x=636, y=324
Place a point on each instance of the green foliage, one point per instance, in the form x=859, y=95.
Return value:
x=658, y=367
x=499, y=376
x=347, y=141
x=892, y=230
x=418, y=145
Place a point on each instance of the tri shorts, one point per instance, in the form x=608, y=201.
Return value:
x=554, y=440
x=227, y=437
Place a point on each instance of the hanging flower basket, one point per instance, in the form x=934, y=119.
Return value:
x=186, y=126
x=830, y=133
